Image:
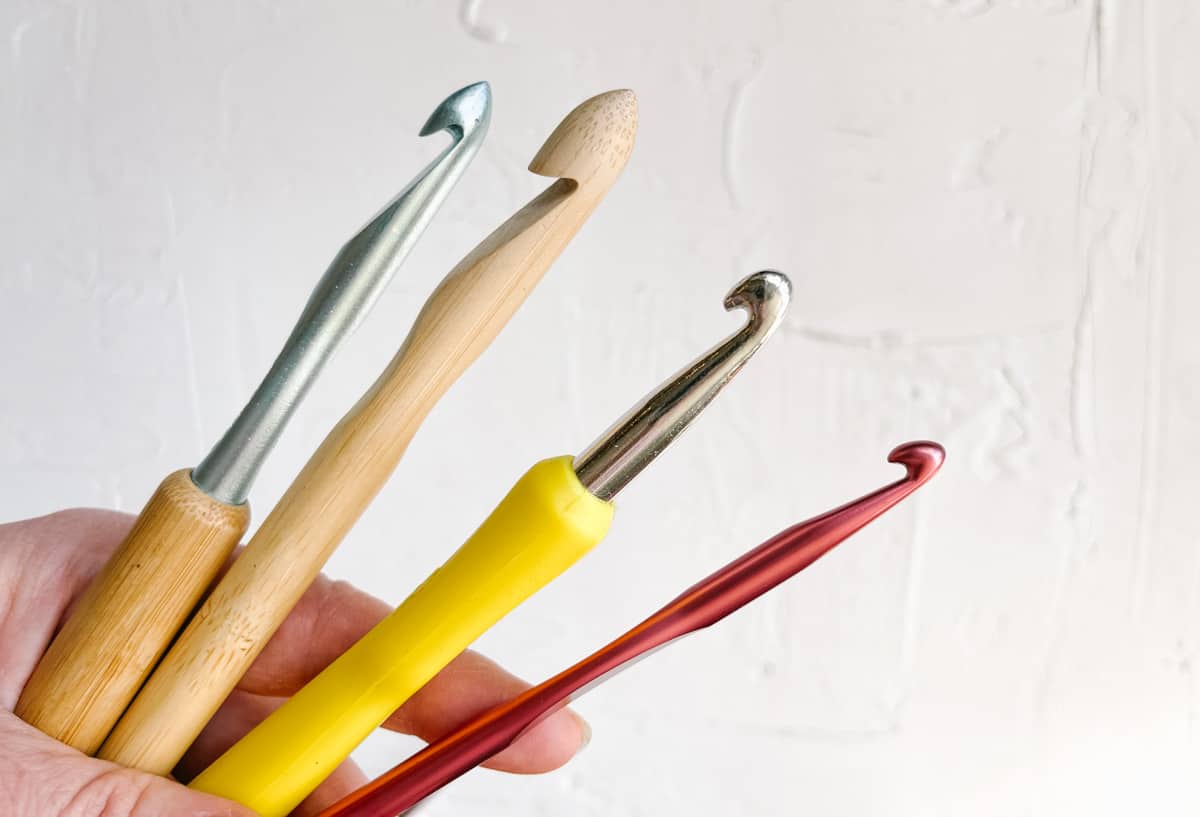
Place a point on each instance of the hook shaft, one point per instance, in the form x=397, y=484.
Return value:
x=346, y=292
x=644, y=431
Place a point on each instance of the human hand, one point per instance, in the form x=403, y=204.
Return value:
x=46, y=563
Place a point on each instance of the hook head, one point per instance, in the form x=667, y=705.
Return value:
x=764, y=295
x=461, y=113
x=594, y=139
x=921, y=459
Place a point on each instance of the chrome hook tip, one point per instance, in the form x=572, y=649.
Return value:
x=462, y=112
x=764, y=295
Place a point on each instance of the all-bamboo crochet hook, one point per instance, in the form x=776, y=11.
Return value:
x=555, y=513
x=136, y=605
x=587, y=151
x=702, y=605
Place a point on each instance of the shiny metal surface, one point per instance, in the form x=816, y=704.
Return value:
x=636, y=439
x=345, y=293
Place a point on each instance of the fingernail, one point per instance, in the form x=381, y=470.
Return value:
x=585, y=730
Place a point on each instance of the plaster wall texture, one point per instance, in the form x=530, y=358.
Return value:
x=988, y=209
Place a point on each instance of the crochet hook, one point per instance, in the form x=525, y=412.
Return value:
x=136, y=605
x=554, y=514
x=702, y=605
x=586, y=152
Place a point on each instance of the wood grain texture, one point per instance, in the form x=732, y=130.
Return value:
x=587, y=151
x=130, y=612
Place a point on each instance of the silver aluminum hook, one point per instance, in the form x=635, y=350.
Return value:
x=343, y=296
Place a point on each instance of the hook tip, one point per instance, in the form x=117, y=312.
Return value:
x=461, y=113
x=921, y=459
x=594, y=140
x=764, y=294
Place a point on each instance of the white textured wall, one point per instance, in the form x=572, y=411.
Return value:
x=989, y=208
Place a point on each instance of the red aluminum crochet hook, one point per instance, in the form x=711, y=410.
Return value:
x=738, y=583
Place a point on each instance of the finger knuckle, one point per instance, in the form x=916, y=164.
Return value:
x=111, y=793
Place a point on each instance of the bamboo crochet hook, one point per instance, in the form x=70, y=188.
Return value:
x=555, y=513
x=703, y=604
x=136, y=605
x=467, y=310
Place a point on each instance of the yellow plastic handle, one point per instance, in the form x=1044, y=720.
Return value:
x=544, y=525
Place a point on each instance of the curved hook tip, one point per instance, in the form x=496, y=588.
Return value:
x=463, y=111
x=921, y=459
x=765, y=295
x=593, y=140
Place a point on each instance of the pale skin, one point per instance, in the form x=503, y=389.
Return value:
x=44, y=565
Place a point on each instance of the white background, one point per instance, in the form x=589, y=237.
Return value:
x=989, y=210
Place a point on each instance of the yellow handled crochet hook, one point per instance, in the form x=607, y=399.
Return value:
x=555, y=513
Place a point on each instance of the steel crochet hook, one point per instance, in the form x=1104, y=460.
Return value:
x=189, y=527
x=555, y=513
x=702, y=605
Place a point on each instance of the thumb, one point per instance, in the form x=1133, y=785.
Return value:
x=40, y=776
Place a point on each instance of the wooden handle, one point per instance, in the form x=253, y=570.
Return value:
x=130, y=612
x=461, y=317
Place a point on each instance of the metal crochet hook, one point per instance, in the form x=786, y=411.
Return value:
x=632, y=443
x=549, y=519
x=700, y=606
x=190, y=525
x=346, y=292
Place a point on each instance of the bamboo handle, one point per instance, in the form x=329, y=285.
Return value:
x=130, y=612
x=462, y=316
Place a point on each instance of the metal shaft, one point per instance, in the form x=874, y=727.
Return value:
x=342, y=298
x=636, y=439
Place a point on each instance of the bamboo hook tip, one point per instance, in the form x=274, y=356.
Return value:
x=593, y=140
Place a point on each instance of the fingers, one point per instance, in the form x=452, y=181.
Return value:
x=39, y=776
x=472, y=684
x=69, y=546
x=327, y=620
x=240, y=713
x=44, y=564
x=468, y=686
x=345, y=778
x=331, y=616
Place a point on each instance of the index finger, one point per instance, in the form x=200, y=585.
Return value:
x=332, y=615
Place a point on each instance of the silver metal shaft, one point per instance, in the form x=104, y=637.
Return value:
x=636, y=439
x=342, y=298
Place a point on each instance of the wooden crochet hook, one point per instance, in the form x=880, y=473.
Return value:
x=128, y=615
x=587, y=152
